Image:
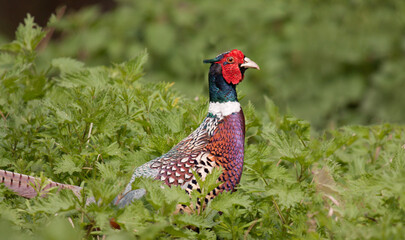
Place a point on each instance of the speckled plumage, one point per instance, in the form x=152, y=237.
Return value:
x=217, y=142
x=175, y=167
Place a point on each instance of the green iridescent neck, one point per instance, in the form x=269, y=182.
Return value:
x=219, y=90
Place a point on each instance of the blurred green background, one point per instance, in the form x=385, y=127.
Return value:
x=329, y=62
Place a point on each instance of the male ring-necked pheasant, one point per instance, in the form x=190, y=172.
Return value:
x=217, y=142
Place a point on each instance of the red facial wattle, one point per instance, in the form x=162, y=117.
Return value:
x=232, y=73
x=230, y=69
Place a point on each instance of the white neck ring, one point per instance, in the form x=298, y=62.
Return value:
x=223, y=109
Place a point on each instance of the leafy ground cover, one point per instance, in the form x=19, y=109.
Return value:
x=330, y=62
x=91, y=126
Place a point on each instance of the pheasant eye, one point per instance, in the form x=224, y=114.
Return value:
x=230, y=60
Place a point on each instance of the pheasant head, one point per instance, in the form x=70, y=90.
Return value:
x=227, y=70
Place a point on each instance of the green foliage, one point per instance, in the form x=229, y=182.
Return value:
x=91, y=126
x=331, y=62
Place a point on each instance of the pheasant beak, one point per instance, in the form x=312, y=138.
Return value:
x=249, y=64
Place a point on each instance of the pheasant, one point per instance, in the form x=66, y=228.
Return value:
x=217, y=143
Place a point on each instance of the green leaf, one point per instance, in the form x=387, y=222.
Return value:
x=67, y=65
x=286, y=195
x=66, y=165
x=226, y=201
x=194, y=220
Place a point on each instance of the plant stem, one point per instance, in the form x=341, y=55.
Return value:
x=279, y=211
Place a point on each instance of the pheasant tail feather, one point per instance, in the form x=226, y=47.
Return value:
x=29, y=187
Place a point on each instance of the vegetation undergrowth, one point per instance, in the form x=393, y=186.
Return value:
x=91, y=126
x=332, y=63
